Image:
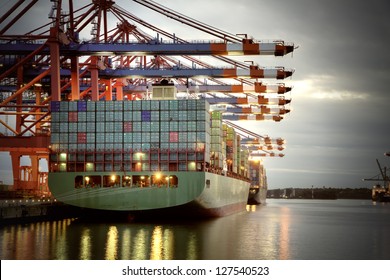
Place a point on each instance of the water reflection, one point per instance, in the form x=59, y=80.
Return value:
x=239, y=236
x=275, y=231
x=156, y=250
x=112, y=243
x=140, y=245
x=85, y=244
x=284, y=234
x=72, y=239
x=162, y=242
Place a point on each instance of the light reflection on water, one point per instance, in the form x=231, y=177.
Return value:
x=85, y=244
x=284, y=237
x=283, y=229
x=112, y=244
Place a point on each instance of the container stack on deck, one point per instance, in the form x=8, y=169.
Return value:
x=217, y=144
x=143, y=135
x=230, y=138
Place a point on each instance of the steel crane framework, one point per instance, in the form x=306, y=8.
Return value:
x=121, y=62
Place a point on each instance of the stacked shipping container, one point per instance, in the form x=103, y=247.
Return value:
x=131, y=135
x=230, y=138
x=144, y=135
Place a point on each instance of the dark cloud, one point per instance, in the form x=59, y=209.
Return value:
x=341, y=119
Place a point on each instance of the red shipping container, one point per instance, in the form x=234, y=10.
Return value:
x=72, y=117
x=173, y=137
x=82, y=137
x=127, y=127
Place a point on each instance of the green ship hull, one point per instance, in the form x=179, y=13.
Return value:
x=203, y=193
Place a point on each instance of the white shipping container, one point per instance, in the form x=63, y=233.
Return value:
x=72, y=106
x=81, y=126
x=109, y=105
x=127, y=137
x=100, y=147
x=146, y=137
x=145, y=104
x=191, y=115
x=127, y=106
x=154, y=105
x=100, y=106
x=72, y=137
x=127, y=147
x=55, y=138
x=82, y=116
x=81, y=147
x=173, y=126
x=118, y=137
x=182, y=145
x=90, y=127
x=91, y=106
x=164, y=137
x=118, y=127
x=118, y=116
x=109, y=127
x=137, y=137
x=127, y=116
x=137, y=126
x=118, y=106
x=137, y=116
x=191, y=126
x=109, y=137
x=191, y=136
x=183, y=126
x=165, y=146
x=173, y=104
x=137, y=105
x=182, y=104
x=55, y=117
x=164, y=104
x=174, y=115
x=63, y=127
x=64, y=106
x=183, y=115
x=154, y=136
x=91, y=116
x=146, y=126
x=154, y=126
x=164, y=116
x=155, y=116
x=90, y=147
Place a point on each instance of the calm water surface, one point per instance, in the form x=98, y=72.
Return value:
x=281, y=229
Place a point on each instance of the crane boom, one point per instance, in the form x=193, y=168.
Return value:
x=380, y=168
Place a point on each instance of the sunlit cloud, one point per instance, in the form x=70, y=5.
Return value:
x=324, y=87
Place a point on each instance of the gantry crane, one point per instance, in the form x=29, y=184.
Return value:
x=52, y=62
x=379, y=192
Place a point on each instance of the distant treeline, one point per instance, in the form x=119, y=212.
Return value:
x=320, y=193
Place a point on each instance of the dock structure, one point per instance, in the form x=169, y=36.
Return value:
x=43, y=66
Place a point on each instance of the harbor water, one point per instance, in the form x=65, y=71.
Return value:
x=279, y=230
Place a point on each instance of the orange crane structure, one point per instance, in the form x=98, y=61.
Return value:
x=121, y=61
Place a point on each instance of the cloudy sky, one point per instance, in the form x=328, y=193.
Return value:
x=340, y=119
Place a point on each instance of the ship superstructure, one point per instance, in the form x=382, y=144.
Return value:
x=381, y=193
x=124, y=111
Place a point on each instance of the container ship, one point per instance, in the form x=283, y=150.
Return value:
x=380, y=193
x=259, y=186
x=147, y=155
x=132, y=122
